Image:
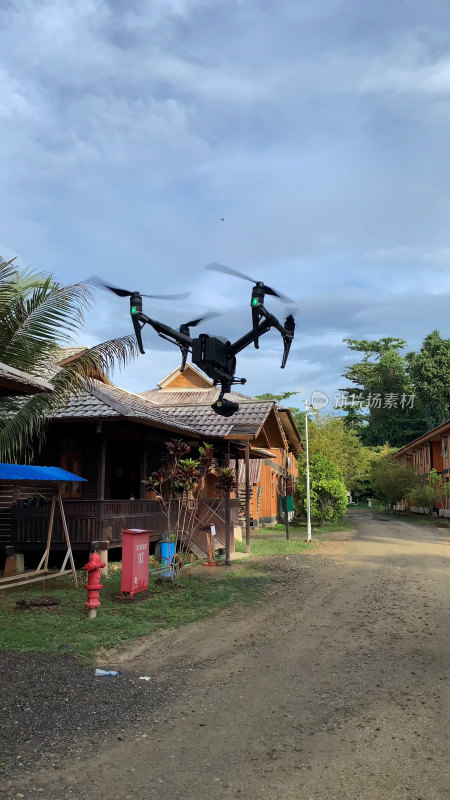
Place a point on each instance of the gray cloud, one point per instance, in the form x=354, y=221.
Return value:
x=319, y=131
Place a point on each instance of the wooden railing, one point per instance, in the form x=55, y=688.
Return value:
x=88, y=521
x=96, y=520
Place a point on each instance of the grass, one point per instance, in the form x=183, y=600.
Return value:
x=272, y=541
x=66, y=629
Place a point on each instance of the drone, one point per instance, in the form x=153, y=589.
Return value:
x=214, y=355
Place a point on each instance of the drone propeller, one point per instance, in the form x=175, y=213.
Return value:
x=126, y=293
x=214, y=267
x=194, y=322
x=184, y=328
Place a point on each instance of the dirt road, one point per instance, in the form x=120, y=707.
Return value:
x=335, y=688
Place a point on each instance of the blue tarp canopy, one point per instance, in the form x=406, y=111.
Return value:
x=24, y=472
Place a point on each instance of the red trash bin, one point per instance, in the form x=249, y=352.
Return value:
x=135, y=558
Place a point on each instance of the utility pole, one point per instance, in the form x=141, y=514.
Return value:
x=308, y=497
x=227, y=515
x=286, y=512
x=247, y=497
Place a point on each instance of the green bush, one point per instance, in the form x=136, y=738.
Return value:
x=328, y=492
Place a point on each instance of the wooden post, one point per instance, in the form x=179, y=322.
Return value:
x=98, y=523
x=66, y=535
x=101, y=467
x=143, y=470
x=286, y=497
x=247, y=497
x=49, y=534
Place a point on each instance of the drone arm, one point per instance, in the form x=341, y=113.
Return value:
x=249, y=337
x=273, y=322
x=174, y=336
x=268, y=322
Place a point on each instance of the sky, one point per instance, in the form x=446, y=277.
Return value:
x=317, y=131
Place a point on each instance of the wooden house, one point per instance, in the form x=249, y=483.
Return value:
x=15, y=383
x=269, y=432
x=431, y=451
x=116, y=439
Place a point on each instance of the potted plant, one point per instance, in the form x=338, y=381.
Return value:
x=150, y=488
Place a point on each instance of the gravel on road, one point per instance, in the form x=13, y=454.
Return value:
x=336, y=687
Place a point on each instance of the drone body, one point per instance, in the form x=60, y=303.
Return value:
x=215, y=355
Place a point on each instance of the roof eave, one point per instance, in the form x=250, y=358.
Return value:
x=424, y=438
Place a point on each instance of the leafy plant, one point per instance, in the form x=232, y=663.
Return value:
x=392, y=480
x=180, y=482
x=37, y=315
x=328, y=492
x=430, y=493
x=226, y=481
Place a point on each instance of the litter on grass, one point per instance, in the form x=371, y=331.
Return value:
x=101, y=672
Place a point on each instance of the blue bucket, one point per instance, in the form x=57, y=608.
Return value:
x=167, y=550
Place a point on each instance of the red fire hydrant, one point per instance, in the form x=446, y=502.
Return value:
x=93, y=585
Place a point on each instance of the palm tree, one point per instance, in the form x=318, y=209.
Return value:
x=37, y=316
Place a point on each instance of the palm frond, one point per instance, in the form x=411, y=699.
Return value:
x=32, y=326
x=6, y=271
x=23, y=421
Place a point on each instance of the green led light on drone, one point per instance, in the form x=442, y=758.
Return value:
x=133, y=310
x=255, y=301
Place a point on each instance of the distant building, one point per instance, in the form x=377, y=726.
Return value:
x=431, y=451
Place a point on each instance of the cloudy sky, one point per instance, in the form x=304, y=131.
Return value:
x=319, y=132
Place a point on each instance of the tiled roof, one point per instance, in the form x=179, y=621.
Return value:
x=193, y=407
x=188, y=397
x=86, y=405
x=99, y=401
x=66, y=353
x=17, y=380
x=249, y=418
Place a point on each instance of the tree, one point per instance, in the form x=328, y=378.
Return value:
x=382, y=379
x=429, y=370
x=277, y=397
x=37, y=315
x=328, y=492
x=392, y=480
x=329, y=436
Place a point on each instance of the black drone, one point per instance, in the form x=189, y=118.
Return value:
x=214, y=355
